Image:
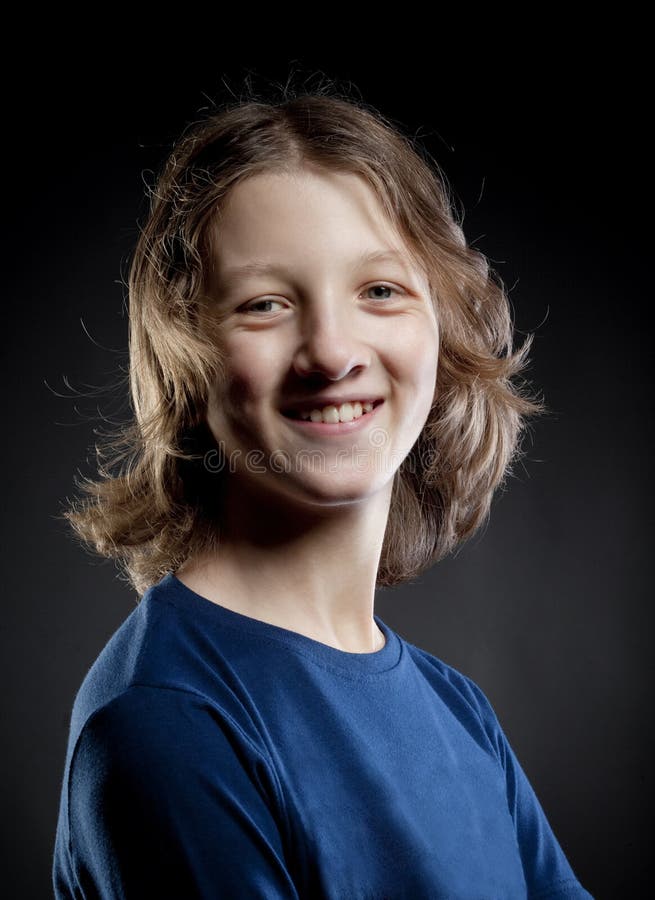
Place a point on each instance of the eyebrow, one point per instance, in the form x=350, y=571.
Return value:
x=234, y=273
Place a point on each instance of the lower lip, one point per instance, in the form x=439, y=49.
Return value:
x=336, y=428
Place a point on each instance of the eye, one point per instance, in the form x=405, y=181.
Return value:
x=385, y=287
x=249, y=307
x=254, y=304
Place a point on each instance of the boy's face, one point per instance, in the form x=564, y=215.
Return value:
x=321, y=324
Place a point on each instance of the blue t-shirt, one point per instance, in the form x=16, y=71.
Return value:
x=214, y=755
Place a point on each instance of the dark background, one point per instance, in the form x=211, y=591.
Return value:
x=542, y=137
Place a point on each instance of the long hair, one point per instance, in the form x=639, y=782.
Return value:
x=156, y=500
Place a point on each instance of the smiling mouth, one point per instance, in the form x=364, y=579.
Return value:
x=303, y=414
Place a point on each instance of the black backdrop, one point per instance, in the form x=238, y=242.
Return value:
x=547, y=609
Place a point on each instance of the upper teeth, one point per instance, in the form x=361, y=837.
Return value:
x=333, y=414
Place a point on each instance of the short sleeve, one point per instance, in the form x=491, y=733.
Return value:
x=169, y=799
x=548, y=873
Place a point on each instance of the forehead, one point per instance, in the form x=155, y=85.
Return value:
x=300, y=218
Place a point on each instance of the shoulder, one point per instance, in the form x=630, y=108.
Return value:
x=151, y=742
x=458, y=681
x=162, y=721
x=464, y=697
x=158, y=665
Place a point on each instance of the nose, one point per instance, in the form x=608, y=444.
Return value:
x=329, y=343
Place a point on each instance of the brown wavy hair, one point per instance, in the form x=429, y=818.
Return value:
x=155, y=502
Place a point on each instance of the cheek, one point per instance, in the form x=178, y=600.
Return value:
x=230, y=410
x=249, y=376
x=414, y=353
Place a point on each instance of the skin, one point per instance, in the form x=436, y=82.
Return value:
x=300, y=547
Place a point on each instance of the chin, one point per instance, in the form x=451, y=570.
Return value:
x=335, y=491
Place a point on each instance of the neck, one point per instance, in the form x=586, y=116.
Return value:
x=311, y=569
